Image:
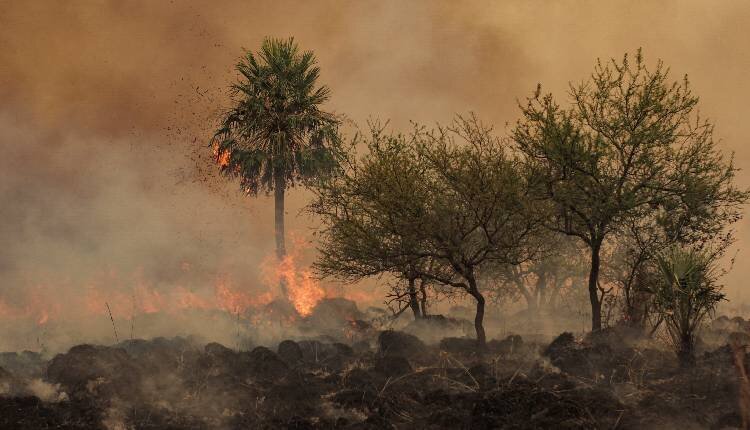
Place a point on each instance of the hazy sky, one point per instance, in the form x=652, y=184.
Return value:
x=106, y=107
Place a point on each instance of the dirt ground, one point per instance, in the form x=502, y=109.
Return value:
x=378, y=380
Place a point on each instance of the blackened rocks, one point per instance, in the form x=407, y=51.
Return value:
x=562, y=345
x=314, y=351
x=392, y=366
x=7, y=382
x=218, y=350
x=458, y=345
x=265, y=364
x=290, y=352
x=26, y=365
x=509, y=345
x=109, y=371
x=361, y=347
x=343, y=349
x=359, y=378
x=391, y=342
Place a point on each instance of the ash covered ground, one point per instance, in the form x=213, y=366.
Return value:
x=345, y=369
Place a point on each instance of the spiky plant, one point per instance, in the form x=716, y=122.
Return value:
x=686, y=295
x=276, y=134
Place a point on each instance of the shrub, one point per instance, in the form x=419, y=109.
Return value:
x=686, y=295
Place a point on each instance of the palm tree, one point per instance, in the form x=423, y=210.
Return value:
x=686, y=295
x=276, y=135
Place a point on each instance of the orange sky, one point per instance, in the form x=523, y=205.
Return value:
x=104, y=105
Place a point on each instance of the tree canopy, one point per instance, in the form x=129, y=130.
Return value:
x=276, y=131
x=454, y=197
x=630, y=145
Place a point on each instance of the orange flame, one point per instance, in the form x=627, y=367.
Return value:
x=187, y=299
x=35, y=306
x=43, y=318
x=222, y=156
x=302, y=289
x=145, y=300
x=233, y=300
x=130, y=296
x=9, y=311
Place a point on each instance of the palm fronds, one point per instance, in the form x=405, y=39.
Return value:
x=276, y=129
x=687, y=293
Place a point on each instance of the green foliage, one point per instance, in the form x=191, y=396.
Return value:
x=686, y=295
x=630, y=146
x=367, y=209
x=423, y=197
x=435, y=204
x=485, y=202
x=275, y=133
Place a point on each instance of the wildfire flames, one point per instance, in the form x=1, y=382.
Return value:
x=145, y=299
x=135, y=295
x=302, y=289
x=222, y=157
x=36, y=306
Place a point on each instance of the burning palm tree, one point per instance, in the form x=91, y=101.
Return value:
x=276, y=134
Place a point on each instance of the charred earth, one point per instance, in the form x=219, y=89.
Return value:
x=378, y=379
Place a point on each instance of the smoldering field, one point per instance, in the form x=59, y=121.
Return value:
x=201, y=342
x=111, y=202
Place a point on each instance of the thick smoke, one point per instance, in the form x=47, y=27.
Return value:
x=105, y=111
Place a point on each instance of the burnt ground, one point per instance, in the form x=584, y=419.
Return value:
x=384, y=380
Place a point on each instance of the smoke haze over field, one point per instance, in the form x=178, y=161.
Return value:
x=106, y=109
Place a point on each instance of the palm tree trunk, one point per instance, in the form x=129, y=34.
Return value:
x=686, y=351
x=278, y=191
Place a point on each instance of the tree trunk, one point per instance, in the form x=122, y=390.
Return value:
x=526, y=294
x=479, y=317
x=685, y=353
x=596, y=306
x=530, y=304
x=278, y=191
x=413, y=301
x=541, y=291
x=633, y=314
x=552, y=300
x=423, y=300
x=636, y=310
